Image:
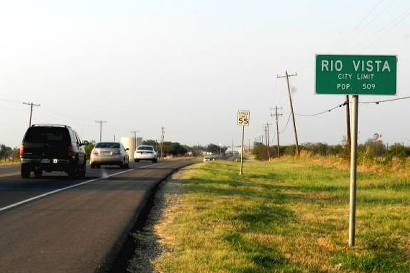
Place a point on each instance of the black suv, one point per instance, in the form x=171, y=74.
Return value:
x=52, y=148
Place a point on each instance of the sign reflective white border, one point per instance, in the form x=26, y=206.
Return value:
x=243, y=118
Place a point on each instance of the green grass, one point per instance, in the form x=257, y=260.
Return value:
x=284, y=216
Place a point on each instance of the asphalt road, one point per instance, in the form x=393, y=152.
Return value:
x=74, y=229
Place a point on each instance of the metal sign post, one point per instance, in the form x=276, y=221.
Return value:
x=353, y=169
x=243, y=136
x=355, y=75
x=242, y=120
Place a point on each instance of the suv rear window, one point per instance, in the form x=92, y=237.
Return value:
x=47, y=134
x=108, y=145
x=145, y=148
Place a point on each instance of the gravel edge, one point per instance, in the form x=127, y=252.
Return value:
x=150, y=244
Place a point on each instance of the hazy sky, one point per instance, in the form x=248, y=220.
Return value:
x=190, y=65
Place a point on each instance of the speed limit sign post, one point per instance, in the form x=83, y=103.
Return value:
x=242, y=120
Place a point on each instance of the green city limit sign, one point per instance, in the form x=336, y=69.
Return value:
x=356, y=74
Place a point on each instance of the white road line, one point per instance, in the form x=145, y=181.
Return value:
x=59, y=190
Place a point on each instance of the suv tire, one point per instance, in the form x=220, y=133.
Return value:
x=81, y=171
x=25, y=170
x=38, y=173
x=72, y=172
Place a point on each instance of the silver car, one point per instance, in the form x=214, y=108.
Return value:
x=109, y=153
x=145, y=152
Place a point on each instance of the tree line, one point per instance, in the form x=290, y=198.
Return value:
x=8, y=153
x=372, y=149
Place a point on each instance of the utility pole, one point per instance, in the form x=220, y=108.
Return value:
x=31, y=104
x=277, y=127
x=267, y=139
x=101, y=124
x=348, y=136
x=287, y=76
x=162, y=141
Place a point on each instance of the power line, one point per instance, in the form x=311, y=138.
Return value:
x=344, y=103
x=396, y=21
x=322, y=112
x=387, y=100
x=362, y=23
x=361, y=26
x=49, y=111
x=286, y=126
x=373, y=37
x=10, y=100
x=368, y=15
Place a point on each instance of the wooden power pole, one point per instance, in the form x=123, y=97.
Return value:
x=267, y=139
x=162, y=141
x=101, y=125
x=31, y=104
x=287, y=76
x=277, y=127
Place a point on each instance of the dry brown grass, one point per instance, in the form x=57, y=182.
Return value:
x=398, y=167
x=286, y=215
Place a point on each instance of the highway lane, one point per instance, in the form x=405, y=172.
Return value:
x=14, y=189
x=9, y=170
x=77, y=229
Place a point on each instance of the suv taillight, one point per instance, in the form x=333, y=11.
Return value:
x=70, y=151
x=21, y=152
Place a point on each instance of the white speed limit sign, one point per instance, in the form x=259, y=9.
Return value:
x=243, y=118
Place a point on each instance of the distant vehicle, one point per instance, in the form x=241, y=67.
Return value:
x=145, y=152
x=209, y=157
x=109, y=153
x=52, y=148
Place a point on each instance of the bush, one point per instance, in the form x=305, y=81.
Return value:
x=375, y=148
x=372, y=151
x=260, y=151
x=8, y=153
x=89, y=147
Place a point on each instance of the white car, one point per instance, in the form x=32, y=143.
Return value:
x=145, y=152
x=109, y=153
x=209, y=158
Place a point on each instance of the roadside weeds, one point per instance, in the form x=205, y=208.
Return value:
x=151, y=241
x=281, y=216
